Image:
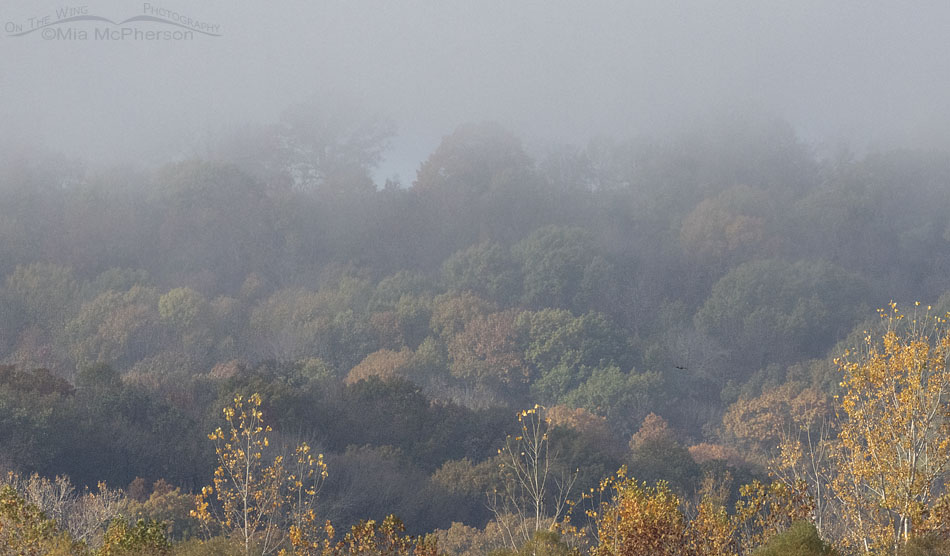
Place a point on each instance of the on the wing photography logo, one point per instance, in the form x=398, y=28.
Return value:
x=78, y=23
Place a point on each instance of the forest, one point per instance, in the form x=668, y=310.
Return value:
x=720, y=341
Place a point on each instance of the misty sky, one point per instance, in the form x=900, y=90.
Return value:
x=876, y=74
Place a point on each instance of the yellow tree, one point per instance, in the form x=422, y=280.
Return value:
x=712, y=531
x=895, y=432
x=379, y=539
x=258, y=503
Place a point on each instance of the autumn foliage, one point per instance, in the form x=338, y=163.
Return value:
x=895, y=434
x=634, y=518
x=254, y=501
x=675, y=304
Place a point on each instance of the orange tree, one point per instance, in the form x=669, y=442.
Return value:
x=641, y=520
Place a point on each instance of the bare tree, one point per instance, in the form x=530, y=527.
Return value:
x=536, y=485
x=84, y=515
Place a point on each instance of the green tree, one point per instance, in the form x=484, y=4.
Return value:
x=294, y=324
x=117, y=279
x=391, y=289
x=451, y=312
x=562, y=269
x=473, y=160
x=623, y=398
x=478, y=185
x=319, y=146
x=47, y=293
x=563, y=351
x=775, y=311
x=801, y=539
x=205, y=237
x=188, y=314
x=488, y=269
x=289, y=324
x=116, y=328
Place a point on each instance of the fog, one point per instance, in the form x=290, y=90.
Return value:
x=874, y=75
x=663, y=227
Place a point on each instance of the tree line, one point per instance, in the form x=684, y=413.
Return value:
x=677, y=304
